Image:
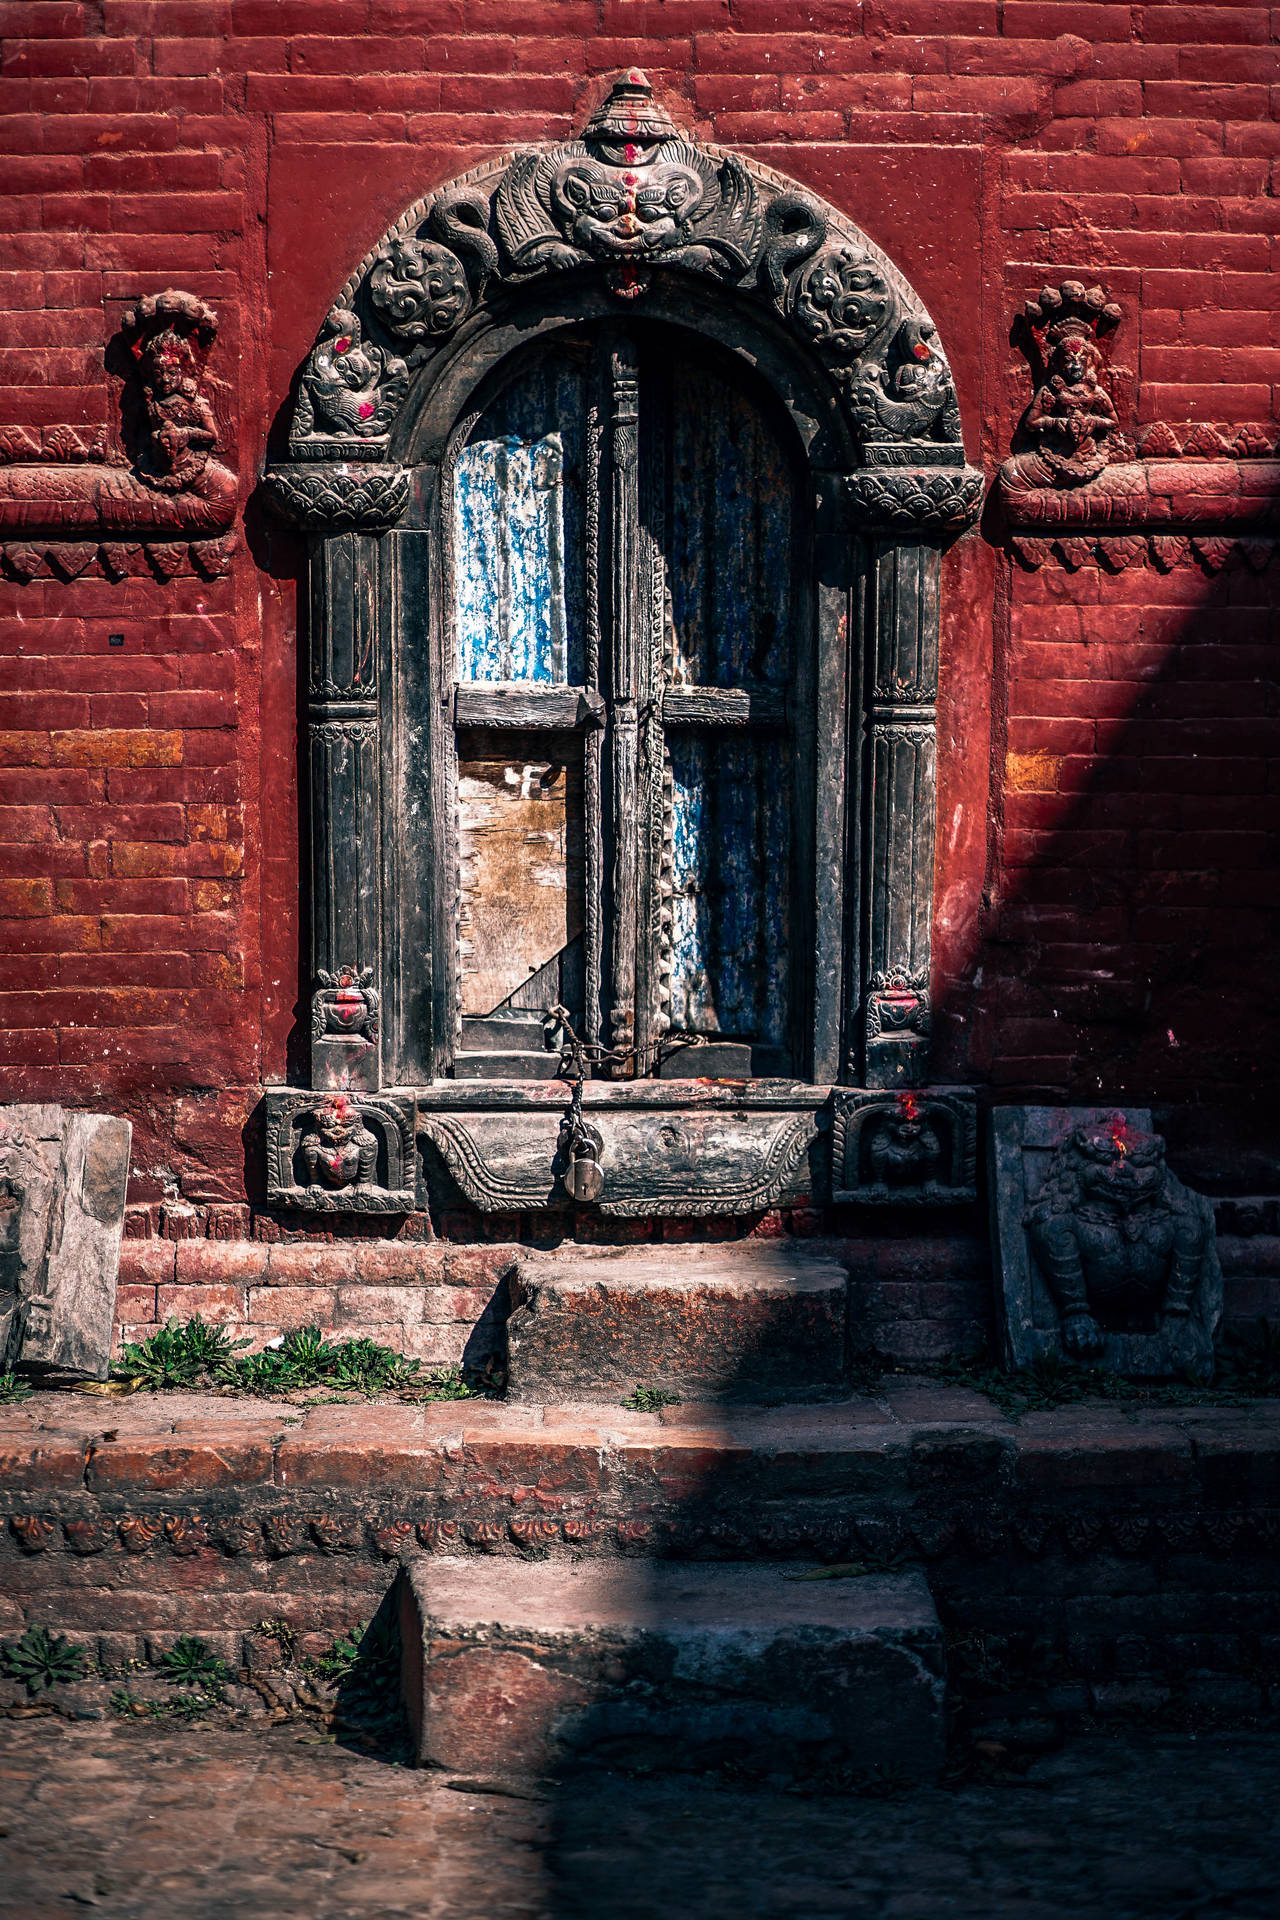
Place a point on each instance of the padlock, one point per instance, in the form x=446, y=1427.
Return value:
x=586, y=1179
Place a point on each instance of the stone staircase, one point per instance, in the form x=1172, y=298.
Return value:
x=761, y=1571
x=677, y=1664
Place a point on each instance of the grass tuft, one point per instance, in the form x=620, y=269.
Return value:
x=196, y=1356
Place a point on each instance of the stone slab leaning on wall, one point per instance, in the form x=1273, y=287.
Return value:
x=62, y=1192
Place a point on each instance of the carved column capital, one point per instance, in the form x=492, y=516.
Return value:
x=924, y=500
x=335, y=496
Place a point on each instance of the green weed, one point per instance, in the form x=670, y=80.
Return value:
x=651, y=1399
x=191, y=1662
x=13, y=1390
x=41, y=1659
x=197, y=1356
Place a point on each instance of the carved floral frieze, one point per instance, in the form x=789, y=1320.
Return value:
x=631, y=196
x=72, y=502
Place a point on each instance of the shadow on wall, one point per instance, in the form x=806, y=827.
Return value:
x=1129, y=950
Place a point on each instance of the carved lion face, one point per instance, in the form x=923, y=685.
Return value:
x=1118, y=1164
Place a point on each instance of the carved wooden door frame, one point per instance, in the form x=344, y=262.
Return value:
x=631, y=217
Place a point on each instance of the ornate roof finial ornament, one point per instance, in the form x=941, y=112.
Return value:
x=629, y=120
x=630, y=196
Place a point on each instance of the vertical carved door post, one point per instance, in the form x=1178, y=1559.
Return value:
x=901, y=603
x=346, y=854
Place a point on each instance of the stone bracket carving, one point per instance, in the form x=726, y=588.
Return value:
x=916, y=499
x=164, y=514
x=907, y=1149
x=1102, y=1253
x=341, y=1153
x=336, y=497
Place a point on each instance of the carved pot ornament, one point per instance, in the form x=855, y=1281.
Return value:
x=630, y=195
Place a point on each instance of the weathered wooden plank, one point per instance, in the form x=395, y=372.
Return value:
x=731, y=833
x=722, y=707
x=520, y=866
x=494, y=705
x=729, y=541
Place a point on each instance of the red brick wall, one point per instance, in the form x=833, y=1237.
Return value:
x=1109, y=743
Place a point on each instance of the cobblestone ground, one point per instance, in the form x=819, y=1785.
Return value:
x=178, y=1824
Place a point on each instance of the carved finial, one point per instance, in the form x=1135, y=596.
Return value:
x=630, y=117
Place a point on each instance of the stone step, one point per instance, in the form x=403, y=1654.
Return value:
x=513, y=1670
x=740, y=1322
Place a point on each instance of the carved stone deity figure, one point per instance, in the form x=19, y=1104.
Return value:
x=1123, y=1246
x=905, y=1150
x=169, y=335
x=342, y=1152
x=1070, y=430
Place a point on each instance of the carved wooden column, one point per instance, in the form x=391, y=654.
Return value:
x=346, y=855
x=902, y=653
x=629, y=688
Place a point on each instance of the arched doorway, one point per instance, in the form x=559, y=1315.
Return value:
x=627, y=467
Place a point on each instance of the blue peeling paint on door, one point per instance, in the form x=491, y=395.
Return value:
x=730, y=537
x=731, y=856
x=517, y=532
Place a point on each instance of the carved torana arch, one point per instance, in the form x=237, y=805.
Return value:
x=629, y=198
x=631, y=217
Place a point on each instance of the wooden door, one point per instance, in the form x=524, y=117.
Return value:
x=623, y=534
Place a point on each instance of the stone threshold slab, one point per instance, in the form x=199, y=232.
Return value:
x=517, y=1670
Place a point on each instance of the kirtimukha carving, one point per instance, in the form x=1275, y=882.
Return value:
x=1071, y=425
x=1121, y=1255
x=348, y=1153
x=62, y=1193
x=632, y=194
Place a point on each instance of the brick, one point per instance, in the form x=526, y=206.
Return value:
x=163, y=1463
x=50, y=1462
x=216, y=1303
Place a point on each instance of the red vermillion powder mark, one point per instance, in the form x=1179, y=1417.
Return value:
x=1118, y=1133
x=908, y=1106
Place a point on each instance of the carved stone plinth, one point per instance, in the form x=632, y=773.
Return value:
x=341, y=1153
x=655, y=1164
x=1103, y=1255
x=906, y=1149
x=764, y=1322
x=63, y=1178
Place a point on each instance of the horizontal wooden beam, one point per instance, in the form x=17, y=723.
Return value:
x=498, y=704
x=722, y=707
